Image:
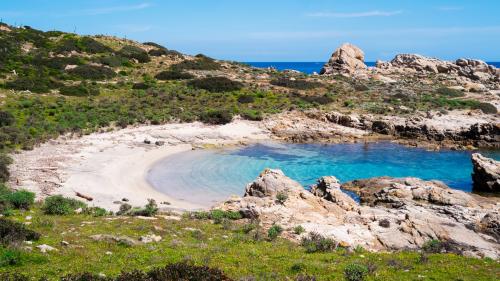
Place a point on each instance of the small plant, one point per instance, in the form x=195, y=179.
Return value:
x=80, y=90
x=124, y=209
x=149, y=210
x=316, y=242
x=281, y=197
x=432, y=246
x=92, y=72
x=59, y=205
x=133, y=52
x=21, y=199
x=95, y=211
x=274, y=232
x=355, y=272
x=298, y=84
x=487, y=108
x=385, y=223
x=298, y=230
x=452, y=93
x=201, y=215
x=219, y=215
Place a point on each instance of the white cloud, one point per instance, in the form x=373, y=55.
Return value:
x=375, y=13
x=110, y=10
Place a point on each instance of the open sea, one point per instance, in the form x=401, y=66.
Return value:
x=310, y=67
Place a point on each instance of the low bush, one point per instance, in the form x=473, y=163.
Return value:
x=149, y=210
x=12, y=232
x=355, y=272
x=59, y=205
x=5, y=161
x=316, y=242
x=92, y=72
x=432, y=246
x=452, y=93
x=299, y=229
x=281, y=197
x=33, y=83
x=487, y=108
x=133, y=52
x=95, y=211
x=6, y=118
x=298, y=84
x=173, y=75
x=252, y=114
x=199, y=63
x=141, y=86
x=114, y=61
x=384, y=223
x=92, y=46
x=274, y=231
x=9, y=256
x=216, y=117
x=124, y=209
x=325, y=99
x=21, y=199
x=246, y=98
x=219, y=215
x=216, y=84
x=80, y=90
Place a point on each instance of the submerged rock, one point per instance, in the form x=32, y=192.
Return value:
x=486, y=173
x=394, y=214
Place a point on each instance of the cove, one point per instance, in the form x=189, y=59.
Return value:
x=205, y=177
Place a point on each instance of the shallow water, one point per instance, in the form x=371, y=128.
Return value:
x=205, y=177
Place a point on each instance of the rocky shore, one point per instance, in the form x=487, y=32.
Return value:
x=393, y=213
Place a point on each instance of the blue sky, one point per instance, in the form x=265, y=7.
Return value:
x=279, y=30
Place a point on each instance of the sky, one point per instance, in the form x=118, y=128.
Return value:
x=279, y=30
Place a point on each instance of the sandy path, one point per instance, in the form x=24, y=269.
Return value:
x=113, y=165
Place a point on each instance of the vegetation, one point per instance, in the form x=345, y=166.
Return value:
x=216, y=84
x=355, y=272
x=173, y=75
x=234, y=251
x=274, y=231
x=133, y=52
x=201, y=62
x=315, y=242
x=12, y=232
x=59, y=205
x=298, y=84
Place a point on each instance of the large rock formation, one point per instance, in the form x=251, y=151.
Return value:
x=396, y=214
x=486, y=173
x=347, y=59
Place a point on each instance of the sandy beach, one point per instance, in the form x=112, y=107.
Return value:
x=111, y=166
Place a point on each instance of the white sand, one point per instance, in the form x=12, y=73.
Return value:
x=113, y=165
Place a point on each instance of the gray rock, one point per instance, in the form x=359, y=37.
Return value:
x=486, y=174
x=346, y=59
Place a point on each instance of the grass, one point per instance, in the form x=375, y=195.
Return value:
x=231, y=250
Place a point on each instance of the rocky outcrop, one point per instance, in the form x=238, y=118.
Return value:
x=455, y=129
x=394, y=214
x=486, y=174
x=346, y=59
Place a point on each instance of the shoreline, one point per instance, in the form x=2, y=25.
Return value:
x=114, y=165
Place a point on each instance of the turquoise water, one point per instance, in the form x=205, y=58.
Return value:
x=208, y=176
x=310, y=67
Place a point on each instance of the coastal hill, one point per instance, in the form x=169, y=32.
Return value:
x=83, y=118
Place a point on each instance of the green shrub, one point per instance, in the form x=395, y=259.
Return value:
x=92, y=46
x=274, y=231
x=114, y=61
x=199, y=63
x=432, y=246
x=246, y=98
x=487, y=108
x=165, y=52
x=149, y=210
x=133, y=52
x=281, y=197
x=92, y=72
x=360, y=87
x=201, y=215
x=95, y=211
x=173, y=75
x=6, y=118
x=21, y=199
x=298, y=84
x=12, y=232
x=251, y=114
x=316, y=242
x=298, y=230
x=325, y=99
x=37, y=83
x=219, y=215
x=59, y=205
x=216, y=117
x=80, y=90
x=445, y=91
x=355, y=272
x=5, y=161
x=216, y=84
